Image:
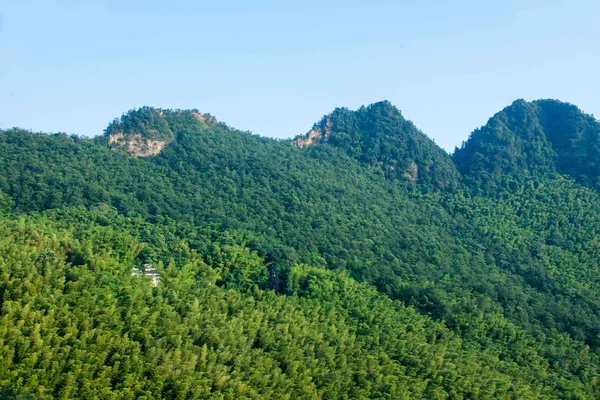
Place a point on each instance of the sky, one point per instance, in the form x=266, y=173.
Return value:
x=276, y=67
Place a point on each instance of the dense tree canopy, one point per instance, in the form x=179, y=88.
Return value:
x=379, y=135
x=146, y=121
x=532, y=139
x=328, y=270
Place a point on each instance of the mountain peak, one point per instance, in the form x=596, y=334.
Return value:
x=379, y=135
x=147, y=130
x=534, y=138
x=141, y=132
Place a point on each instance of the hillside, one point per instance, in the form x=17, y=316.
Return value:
x=318, y=268
x=379, y=135
x=88, y=328
x=533, y=139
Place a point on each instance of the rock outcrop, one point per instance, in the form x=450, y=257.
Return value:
x=143, y=132
x=136, y=144
x=318, y=134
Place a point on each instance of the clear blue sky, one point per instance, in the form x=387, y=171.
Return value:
x=275, y=67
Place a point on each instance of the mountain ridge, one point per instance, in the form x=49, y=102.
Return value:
x=524, y=139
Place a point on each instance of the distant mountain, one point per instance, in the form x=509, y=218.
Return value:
x=534, y=139
x=379, y=135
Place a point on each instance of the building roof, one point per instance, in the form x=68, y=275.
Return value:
x=151, y=271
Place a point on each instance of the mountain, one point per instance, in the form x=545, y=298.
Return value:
x=379, y=135
x=532, y=139
x=291, y=269
x=146, y=131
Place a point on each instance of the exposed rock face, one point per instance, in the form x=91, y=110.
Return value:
x=197, y=116
x=313, y=137
x=209, y=119
x=143, y=132
x=319, y=134
x=135, y=144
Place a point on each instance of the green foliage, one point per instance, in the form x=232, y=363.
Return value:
x=79, y=325
x=463, y=293
x=146, y=121
x=534, y=139
x=547, y=234
x=378, y=135
x=6, y=204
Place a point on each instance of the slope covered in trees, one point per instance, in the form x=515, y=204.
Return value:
x=532, y=139
x=379, y=135
x=76, y=323
x=496, y=291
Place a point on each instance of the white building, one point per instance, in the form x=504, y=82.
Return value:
x=153, y=274
x=149, y=272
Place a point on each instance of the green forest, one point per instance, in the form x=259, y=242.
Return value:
x=358, y=261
